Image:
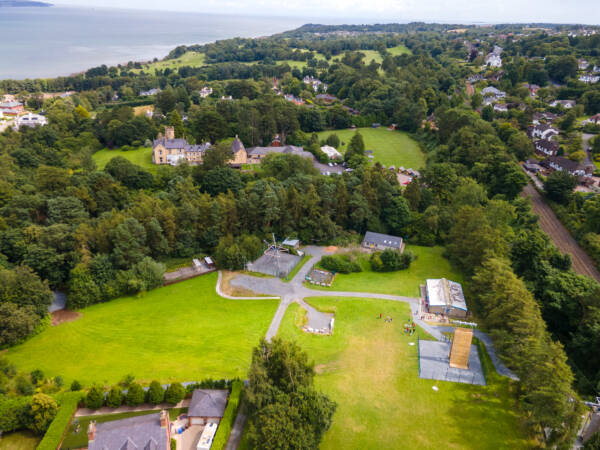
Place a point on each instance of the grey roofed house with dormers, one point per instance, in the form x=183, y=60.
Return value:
x=141, y=433
x=378, y=241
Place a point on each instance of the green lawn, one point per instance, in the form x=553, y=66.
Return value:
x=429, y=264
x=371, y=371
x=399, y=50
x=141, y=156
x=20, y=440
x=191, y=59
x=182, y=332
x=389, y=147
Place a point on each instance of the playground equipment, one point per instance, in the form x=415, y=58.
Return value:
x=461, y=348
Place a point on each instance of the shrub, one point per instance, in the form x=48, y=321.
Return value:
x=175, y=393
x=127, y=380
x=14, y=413
x=173, y=444
x=391, y=260
x=114, y=399
x=340, y=263
x=229, y=415
x=135, y=395
x=24, y=386
x=37, y=376
x=75, y=386
x=42, y=412
x=67, y=405
x=95, y=397
x=155, y=394
x=58, y=381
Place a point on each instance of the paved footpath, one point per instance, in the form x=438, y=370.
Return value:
x=296, y=291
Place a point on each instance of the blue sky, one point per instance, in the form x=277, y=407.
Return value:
x=356, y=11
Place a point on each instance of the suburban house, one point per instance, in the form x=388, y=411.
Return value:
x=378, y=241
x=207, y=406
x=595, y=120
x=475, y=78
x=546, y=147
x=12, y=108
x=568, y=104
x=326, y=98
x=151, y=431
x=257, y=154
x=491, y=91
x=566, y=165
x=168, y=150
x=542, y=131
x=205, y=91
x=589, y=79
x=549, y=117
x=445, y=297
x=149, y=92
x=31, y=120
x=533, y=89
x=501, y=107
x=314, y=83
x=331, y=152
x=583, y=64
x=295, y=100
x=532, y=165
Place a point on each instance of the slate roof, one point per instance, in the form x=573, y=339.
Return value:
x=566, y=164
x=208, y=403
x=384, y=240
x=548, y=146
x=181, y=144
x=140, y=432
x=237, y=145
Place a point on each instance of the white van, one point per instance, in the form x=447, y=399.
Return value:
x=208, y=434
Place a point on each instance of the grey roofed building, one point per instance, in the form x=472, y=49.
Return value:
x=378, y=241
x=208, y=403
x=181, y=144
x=259, y=152
x=237, y=145
x=141, y=432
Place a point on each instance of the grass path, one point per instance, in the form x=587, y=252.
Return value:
x=371, y=371
x=19, y=440
x=181, y=332
x=429, y=264
x=389, y=147
x=141, y=156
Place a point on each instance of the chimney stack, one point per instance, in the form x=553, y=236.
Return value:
x=164, y=419
x=170, y=133
x=91, y=431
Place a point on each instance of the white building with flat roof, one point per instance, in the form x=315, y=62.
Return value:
x=446, y=297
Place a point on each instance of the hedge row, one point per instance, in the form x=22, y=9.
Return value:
x=229, y=416
x=68, y=402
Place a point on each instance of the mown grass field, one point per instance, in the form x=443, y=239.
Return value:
x=368, y=367
x=390, y=148
x=20, y=440
x=141, y=156
x=182, y=332
x=429, y=264
x=192, y=59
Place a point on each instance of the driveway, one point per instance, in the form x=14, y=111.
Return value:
x=188, y=440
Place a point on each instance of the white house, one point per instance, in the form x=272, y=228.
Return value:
x=589, y=79
x=31, y=120
x=491, y=91
x=566, y=165
x=583, y=64
x=542, y=131
x=546, y=147
x=331, y=152
x=568, y=104
x=205, y=91
x=493, y=60
x=501, y=107
x=314, y=83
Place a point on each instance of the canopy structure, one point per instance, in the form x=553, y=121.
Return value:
x=461, y=348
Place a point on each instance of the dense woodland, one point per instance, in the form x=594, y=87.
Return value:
x=99, y=234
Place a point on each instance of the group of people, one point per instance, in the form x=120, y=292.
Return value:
x=387, y=319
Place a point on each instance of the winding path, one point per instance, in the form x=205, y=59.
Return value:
x=295, y=291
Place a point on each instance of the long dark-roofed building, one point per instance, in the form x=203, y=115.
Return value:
x=378, y=241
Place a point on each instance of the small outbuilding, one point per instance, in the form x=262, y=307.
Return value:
x=378, y=241
x=291, y=243
x=207, y=406
x=446, y=297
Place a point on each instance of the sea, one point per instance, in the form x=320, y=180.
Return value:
x=57, y=41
